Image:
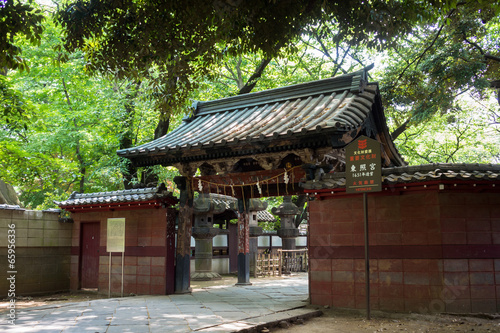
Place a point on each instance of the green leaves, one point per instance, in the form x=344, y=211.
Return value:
x=178, y=40
x=15, y=110
x=18, y=19
x=430, y=70
x=74, y=127
x=463, y=135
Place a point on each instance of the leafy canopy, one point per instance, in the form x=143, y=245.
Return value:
x=436, y=64
x=185, y=39
x=18, y=18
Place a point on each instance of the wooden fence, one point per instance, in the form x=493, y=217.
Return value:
x=282, y=262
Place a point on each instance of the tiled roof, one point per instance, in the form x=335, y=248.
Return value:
x=298, y=116
x=262, y=215
x=418, y=173
x=11, y=207
x=116, y=197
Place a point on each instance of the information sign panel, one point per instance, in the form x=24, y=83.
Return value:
x=363, y=166
x=116, y=235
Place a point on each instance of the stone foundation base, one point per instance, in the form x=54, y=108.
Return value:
x=205, y=276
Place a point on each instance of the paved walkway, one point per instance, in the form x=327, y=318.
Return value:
x=212, y=309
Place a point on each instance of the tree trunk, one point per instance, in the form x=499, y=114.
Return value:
x=127, y=137
x=162, y=127
x=252, y=81
x=398, y=131
x=149, y=178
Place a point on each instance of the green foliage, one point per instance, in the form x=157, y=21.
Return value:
x=74, y=130
x=428, y=71
x=457, y=136
x=272, y=202
x=17, y=18
x=176, y=43
x=15, y=110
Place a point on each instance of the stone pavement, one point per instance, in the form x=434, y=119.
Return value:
x=213, y=309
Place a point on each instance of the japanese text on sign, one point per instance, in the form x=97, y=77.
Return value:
x=363, y=169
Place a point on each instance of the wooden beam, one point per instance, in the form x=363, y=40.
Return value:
x=253, y=184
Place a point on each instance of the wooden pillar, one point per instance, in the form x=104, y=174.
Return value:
x=183, y=250
x=171, y=251
x=255, y=232
x=232, y=243
x=243, y=249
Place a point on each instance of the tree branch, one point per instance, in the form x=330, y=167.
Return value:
x=480, y=49
x=397, y=132
x=252, y=81
x=419, y=58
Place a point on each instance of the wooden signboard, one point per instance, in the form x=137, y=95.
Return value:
x=116, y=235
x=115, y=242
x=364, y=174
x=363, y=166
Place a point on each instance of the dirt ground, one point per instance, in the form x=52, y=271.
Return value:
x=353, y=321
x=333, y=320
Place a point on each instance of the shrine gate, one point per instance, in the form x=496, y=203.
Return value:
x=264, y=144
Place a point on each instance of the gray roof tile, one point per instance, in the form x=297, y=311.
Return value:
x=331, y=105
x=418, y=173
x=11, y=207
x=124, y=196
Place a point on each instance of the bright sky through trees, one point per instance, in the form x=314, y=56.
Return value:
x=62, y=121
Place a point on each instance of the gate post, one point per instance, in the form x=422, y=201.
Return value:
x=183, y=250
x=243, y=249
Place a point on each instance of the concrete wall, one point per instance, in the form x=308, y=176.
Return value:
x=274, y=241
x=431, y=251
x=42, y=251
x=147, y=252
x=221, y=264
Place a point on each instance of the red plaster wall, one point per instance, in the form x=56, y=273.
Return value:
x=430, y=251
x=146, y=252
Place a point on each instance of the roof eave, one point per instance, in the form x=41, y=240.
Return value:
x=317, y=138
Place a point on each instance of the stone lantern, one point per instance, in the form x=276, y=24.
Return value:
x=288, y=232
x=204, y=209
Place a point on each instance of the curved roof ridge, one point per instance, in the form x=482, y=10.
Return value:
x=351, y=81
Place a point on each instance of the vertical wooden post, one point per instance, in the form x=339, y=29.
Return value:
x=183, y=250
x=109, y=276
x=170, y=252
x=243, y=245
x=280, y=262
x=123, y=262
x=367, y=257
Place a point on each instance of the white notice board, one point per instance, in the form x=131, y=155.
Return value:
x=116, y=235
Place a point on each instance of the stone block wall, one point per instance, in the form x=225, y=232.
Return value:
x=149, y=253
x=431, y=251
x=42, y=251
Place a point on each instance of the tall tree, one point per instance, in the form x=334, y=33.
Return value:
x=186, y=39
x=72, y=138
x=426, y=73
x=18, y=18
